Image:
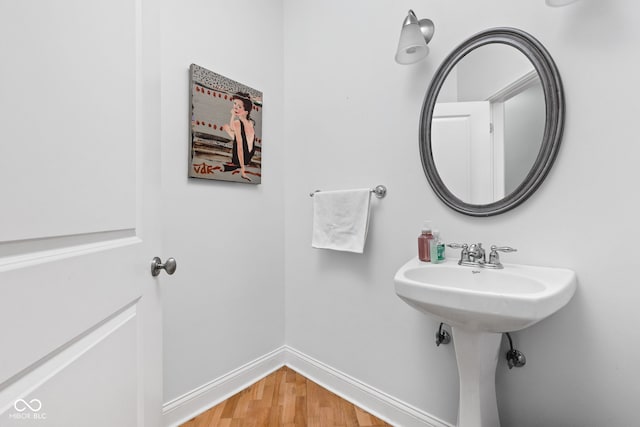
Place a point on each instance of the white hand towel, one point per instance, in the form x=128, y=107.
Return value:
x=341, y=219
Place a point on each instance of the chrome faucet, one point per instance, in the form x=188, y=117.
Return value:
x=475, y=255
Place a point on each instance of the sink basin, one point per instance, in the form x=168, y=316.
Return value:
x=479, y=305
x=482, y=299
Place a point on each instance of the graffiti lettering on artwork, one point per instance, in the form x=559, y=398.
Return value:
x=204, y=168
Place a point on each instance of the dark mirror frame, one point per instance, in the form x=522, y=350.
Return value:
x=554, y=123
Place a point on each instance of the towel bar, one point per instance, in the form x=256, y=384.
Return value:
x=380, y=191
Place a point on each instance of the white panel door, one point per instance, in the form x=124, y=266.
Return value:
x=462, y=151
x=80, y=337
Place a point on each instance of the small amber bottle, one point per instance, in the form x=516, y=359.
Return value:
x=424, y=242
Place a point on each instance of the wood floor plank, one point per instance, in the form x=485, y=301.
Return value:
x=349, y=413
x=285, y=399
x=275, y=416
x=204, y=419
x=300, y=419
x=230, y=406
x=217, y=415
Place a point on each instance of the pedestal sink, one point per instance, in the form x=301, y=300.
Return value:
x=479, y=305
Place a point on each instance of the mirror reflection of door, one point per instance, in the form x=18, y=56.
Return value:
x=497, y=155
x=465, y=161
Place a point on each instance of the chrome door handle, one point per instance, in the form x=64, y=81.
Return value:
x=169, y=266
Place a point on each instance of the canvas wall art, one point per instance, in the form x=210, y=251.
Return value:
x=226, y=128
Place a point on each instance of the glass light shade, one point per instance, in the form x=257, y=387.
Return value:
x=412, y=46
x=558, y=3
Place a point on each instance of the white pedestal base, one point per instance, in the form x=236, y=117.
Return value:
x=477, y=357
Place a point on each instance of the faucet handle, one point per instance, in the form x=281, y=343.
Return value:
x=464, y=253
x=495, y=248
x=458, y=245
x=494, y=257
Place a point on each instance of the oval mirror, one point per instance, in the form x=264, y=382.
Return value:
x=491, y=122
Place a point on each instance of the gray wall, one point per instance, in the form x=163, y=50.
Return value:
x=329, y=90
x=340, y=85
x=224, y=307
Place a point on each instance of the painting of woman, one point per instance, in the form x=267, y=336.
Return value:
x=226, y=128
x=241, y=129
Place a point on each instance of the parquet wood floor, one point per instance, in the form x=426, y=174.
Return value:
x=285, y=399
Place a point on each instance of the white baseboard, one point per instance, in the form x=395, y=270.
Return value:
x=197, y=401
x=372, y=400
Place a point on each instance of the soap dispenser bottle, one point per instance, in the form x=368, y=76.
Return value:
x=437, y=248
x=424, y=242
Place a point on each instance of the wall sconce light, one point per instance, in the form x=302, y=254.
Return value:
x=559, y=3
x=414, y=37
